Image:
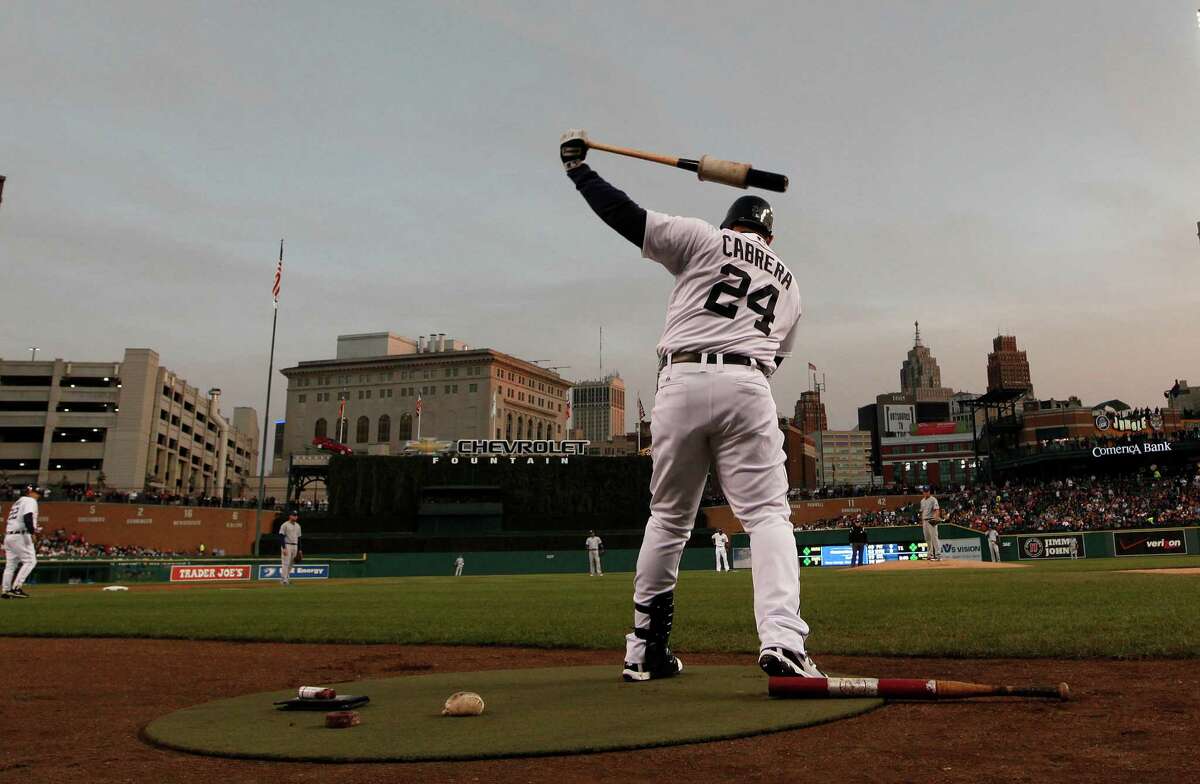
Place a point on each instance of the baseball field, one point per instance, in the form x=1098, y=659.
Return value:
x=1126, y=640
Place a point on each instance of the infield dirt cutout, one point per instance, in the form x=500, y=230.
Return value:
x=1182, y=570
x=1130, y=721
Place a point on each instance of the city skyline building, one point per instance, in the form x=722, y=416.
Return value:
x=132, y=425
x=920, y=375
x=810, y=413
x=366, y=396
x=598, y=407
x=1008, y=367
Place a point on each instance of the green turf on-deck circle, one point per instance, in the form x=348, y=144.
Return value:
x=529, y=712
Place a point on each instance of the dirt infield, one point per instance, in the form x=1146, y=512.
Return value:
x=1165, y=570
x=79, y=705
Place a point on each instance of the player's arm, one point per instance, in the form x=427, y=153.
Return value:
x=30, y=522
x=616, y=209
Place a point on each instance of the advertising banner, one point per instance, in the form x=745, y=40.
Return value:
x=1043, y=546
x=298, y=572
x=965, y=549
x=219, y=572
x=898, y=420
x=1169, y=542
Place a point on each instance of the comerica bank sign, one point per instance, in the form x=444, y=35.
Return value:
x=1131, y=449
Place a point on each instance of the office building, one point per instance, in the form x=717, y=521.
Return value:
x=599, y=407
x=376, y=380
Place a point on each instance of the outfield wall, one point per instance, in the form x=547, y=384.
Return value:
x=176, y=528
x=808, y=512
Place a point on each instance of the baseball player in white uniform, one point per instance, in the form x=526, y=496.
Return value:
x=593, y=545
x=289, y=548
x=19, y=553
x=731, y=319
x=720, y=540
x=459, y=563
x=931, y=513
x=993, y=540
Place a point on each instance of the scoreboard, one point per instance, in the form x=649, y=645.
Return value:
x=841, y=554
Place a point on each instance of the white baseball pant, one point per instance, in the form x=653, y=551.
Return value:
x=722, y=559
x=594, y=563
x=287, y=554
x=931, y=538
x=723, y=416
x=19, y=559
x=994, y=549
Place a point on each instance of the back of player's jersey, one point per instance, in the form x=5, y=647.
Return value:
x=732, y=293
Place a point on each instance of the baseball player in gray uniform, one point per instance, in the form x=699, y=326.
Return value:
x=289, y=547
x=731, y=319
x=931, y=514
x=19, y=553
x=993, y=540
x=594, y=546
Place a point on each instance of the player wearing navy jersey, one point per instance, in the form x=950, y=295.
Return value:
x=731, y=319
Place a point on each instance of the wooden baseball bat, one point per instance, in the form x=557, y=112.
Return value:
x=739, y=175
x=905, y=689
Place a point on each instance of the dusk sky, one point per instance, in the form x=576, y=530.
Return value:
x=1027, y=167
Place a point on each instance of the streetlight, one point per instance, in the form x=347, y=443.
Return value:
x=33, y=353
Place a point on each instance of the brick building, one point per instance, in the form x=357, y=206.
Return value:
x=1007, y=367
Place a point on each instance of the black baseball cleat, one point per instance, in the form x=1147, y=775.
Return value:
x=18, y=593
x=634, y=673
x=782, y=662
x=5, y=595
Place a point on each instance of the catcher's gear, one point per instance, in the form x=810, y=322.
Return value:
x=463, y=703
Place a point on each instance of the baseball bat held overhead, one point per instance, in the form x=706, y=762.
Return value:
x=707, y=168
x=905, y=689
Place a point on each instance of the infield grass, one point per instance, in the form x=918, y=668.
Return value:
x=1080, y=609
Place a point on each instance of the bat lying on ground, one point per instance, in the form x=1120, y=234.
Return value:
x=905, y=689
x=739, y=175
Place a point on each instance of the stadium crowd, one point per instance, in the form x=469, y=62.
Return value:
x=60, y=544
x=1145, y=499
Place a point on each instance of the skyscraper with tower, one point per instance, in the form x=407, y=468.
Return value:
x=920, y=375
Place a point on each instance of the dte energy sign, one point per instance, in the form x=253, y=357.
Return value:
x=1171, y=542
x=1051, y=546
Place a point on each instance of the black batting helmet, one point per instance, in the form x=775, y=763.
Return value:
x=752, y=212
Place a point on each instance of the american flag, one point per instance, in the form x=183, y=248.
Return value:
x=278, y=275
x=418, y=405
x=568, y=412
x=812, y=368
x=342, y=409
x=641, y=411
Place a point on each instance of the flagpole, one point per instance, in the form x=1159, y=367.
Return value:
x=639, y=425
x=262, y=466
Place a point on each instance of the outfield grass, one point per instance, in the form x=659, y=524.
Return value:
x=1063, y=609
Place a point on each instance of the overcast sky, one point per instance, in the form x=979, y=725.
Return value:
x=1027, y=167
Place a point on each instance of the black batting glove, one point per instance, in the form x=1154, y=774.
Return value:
x=572, y=148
